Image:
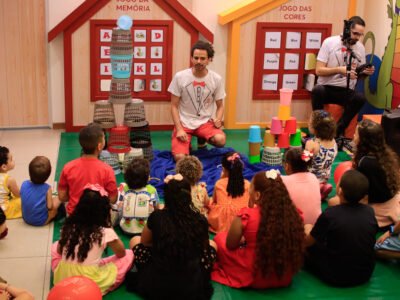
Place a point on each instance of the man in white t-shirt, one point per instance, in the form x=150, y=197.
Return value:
x=197, y=96
x=333, y=85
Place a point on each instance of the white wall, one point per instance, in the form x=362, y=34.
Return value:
x=56, y=11
x=377, y=21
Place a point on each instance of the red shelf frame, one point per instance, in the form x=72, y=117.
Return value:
x=166, y=60
x=303, y=28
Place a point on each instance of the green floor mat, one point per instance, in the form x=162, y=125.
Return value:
x=383, y=284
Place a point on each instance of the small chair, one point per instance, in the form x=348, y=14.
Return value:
x=336, y=111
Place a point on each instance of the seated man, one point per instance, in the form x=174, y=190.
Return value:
x=193, y=94
x=336, y=82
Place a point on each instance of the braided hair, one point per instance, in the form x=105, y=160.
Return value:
x=233, y=165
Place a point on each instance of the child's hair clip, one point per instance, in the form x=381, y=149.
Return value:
x=306, y=155
x=177, y=177
x=272, y=174
x=96, y=188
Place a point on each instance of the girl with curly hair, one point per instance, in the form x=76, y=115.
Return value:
x=191, y=168
x=84, y=237
x=231, y=193
x=323, y=147
x=173, y=256
x=264, y=246
x=379, y=163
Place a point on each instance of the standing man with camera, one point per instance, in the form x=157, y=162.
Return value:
x=340, y=62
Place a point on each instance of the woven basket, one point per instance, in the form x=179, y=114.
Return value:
x=121, y=65
x=134, y=115
x=140, y=136
x=110, y=159
x=120, y=91
x=148, y=152
x=272, y=156
x=131, y=155
x=118, y=141
x=104, y=114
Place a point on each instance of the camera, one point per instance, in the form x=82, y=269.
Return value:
x=346, y=36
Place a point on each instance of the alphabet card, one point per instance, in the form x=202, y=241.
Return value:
x=105, y=69
x=156, y=52
x=104, y=52
x=105, y=35
x=139, y=52
x=155, y=85
x=157, y=35
x=139, y=85
x=105, y=85
x=139, y=68
x=139, y=35
x=155, y=68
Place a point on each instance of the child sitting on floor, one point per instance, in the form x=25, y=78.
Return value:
x=84, y=237
x=140, y=199
x=388, y=244
x=341, y=243
x=323, y=147
x=191, y=168
x=264, y=245
x=231, y=193
x=379, y=163
x=173, y=257
x=3, y=225
x=39, y=207
x=303, y=186
x=86, y=169
x=10, y=200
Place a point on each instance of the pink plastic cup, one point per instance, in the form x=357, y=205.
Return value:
x=285, y=96
x=276, y=126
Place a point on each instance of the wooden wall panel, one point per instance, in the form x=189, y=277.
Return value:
x=157, y=113
x=23, y=76
x=249, y=110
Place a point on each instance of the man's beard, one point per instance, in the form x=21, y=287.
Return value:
x=352, y=42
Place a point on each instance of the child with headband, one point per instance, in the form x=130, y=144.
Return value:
x=231, y=193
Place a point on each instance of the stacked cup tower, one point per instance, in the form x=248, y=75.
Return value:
x=283, y=132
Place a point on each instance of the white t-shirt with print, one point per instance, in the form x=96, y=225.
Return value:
x=333, y=53
x=197, y=96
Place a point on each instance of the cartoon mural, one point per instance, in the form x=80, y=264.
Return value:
x=387, y=93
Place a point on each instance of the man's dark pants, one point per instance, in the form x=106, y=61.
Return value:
x=350, y=100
